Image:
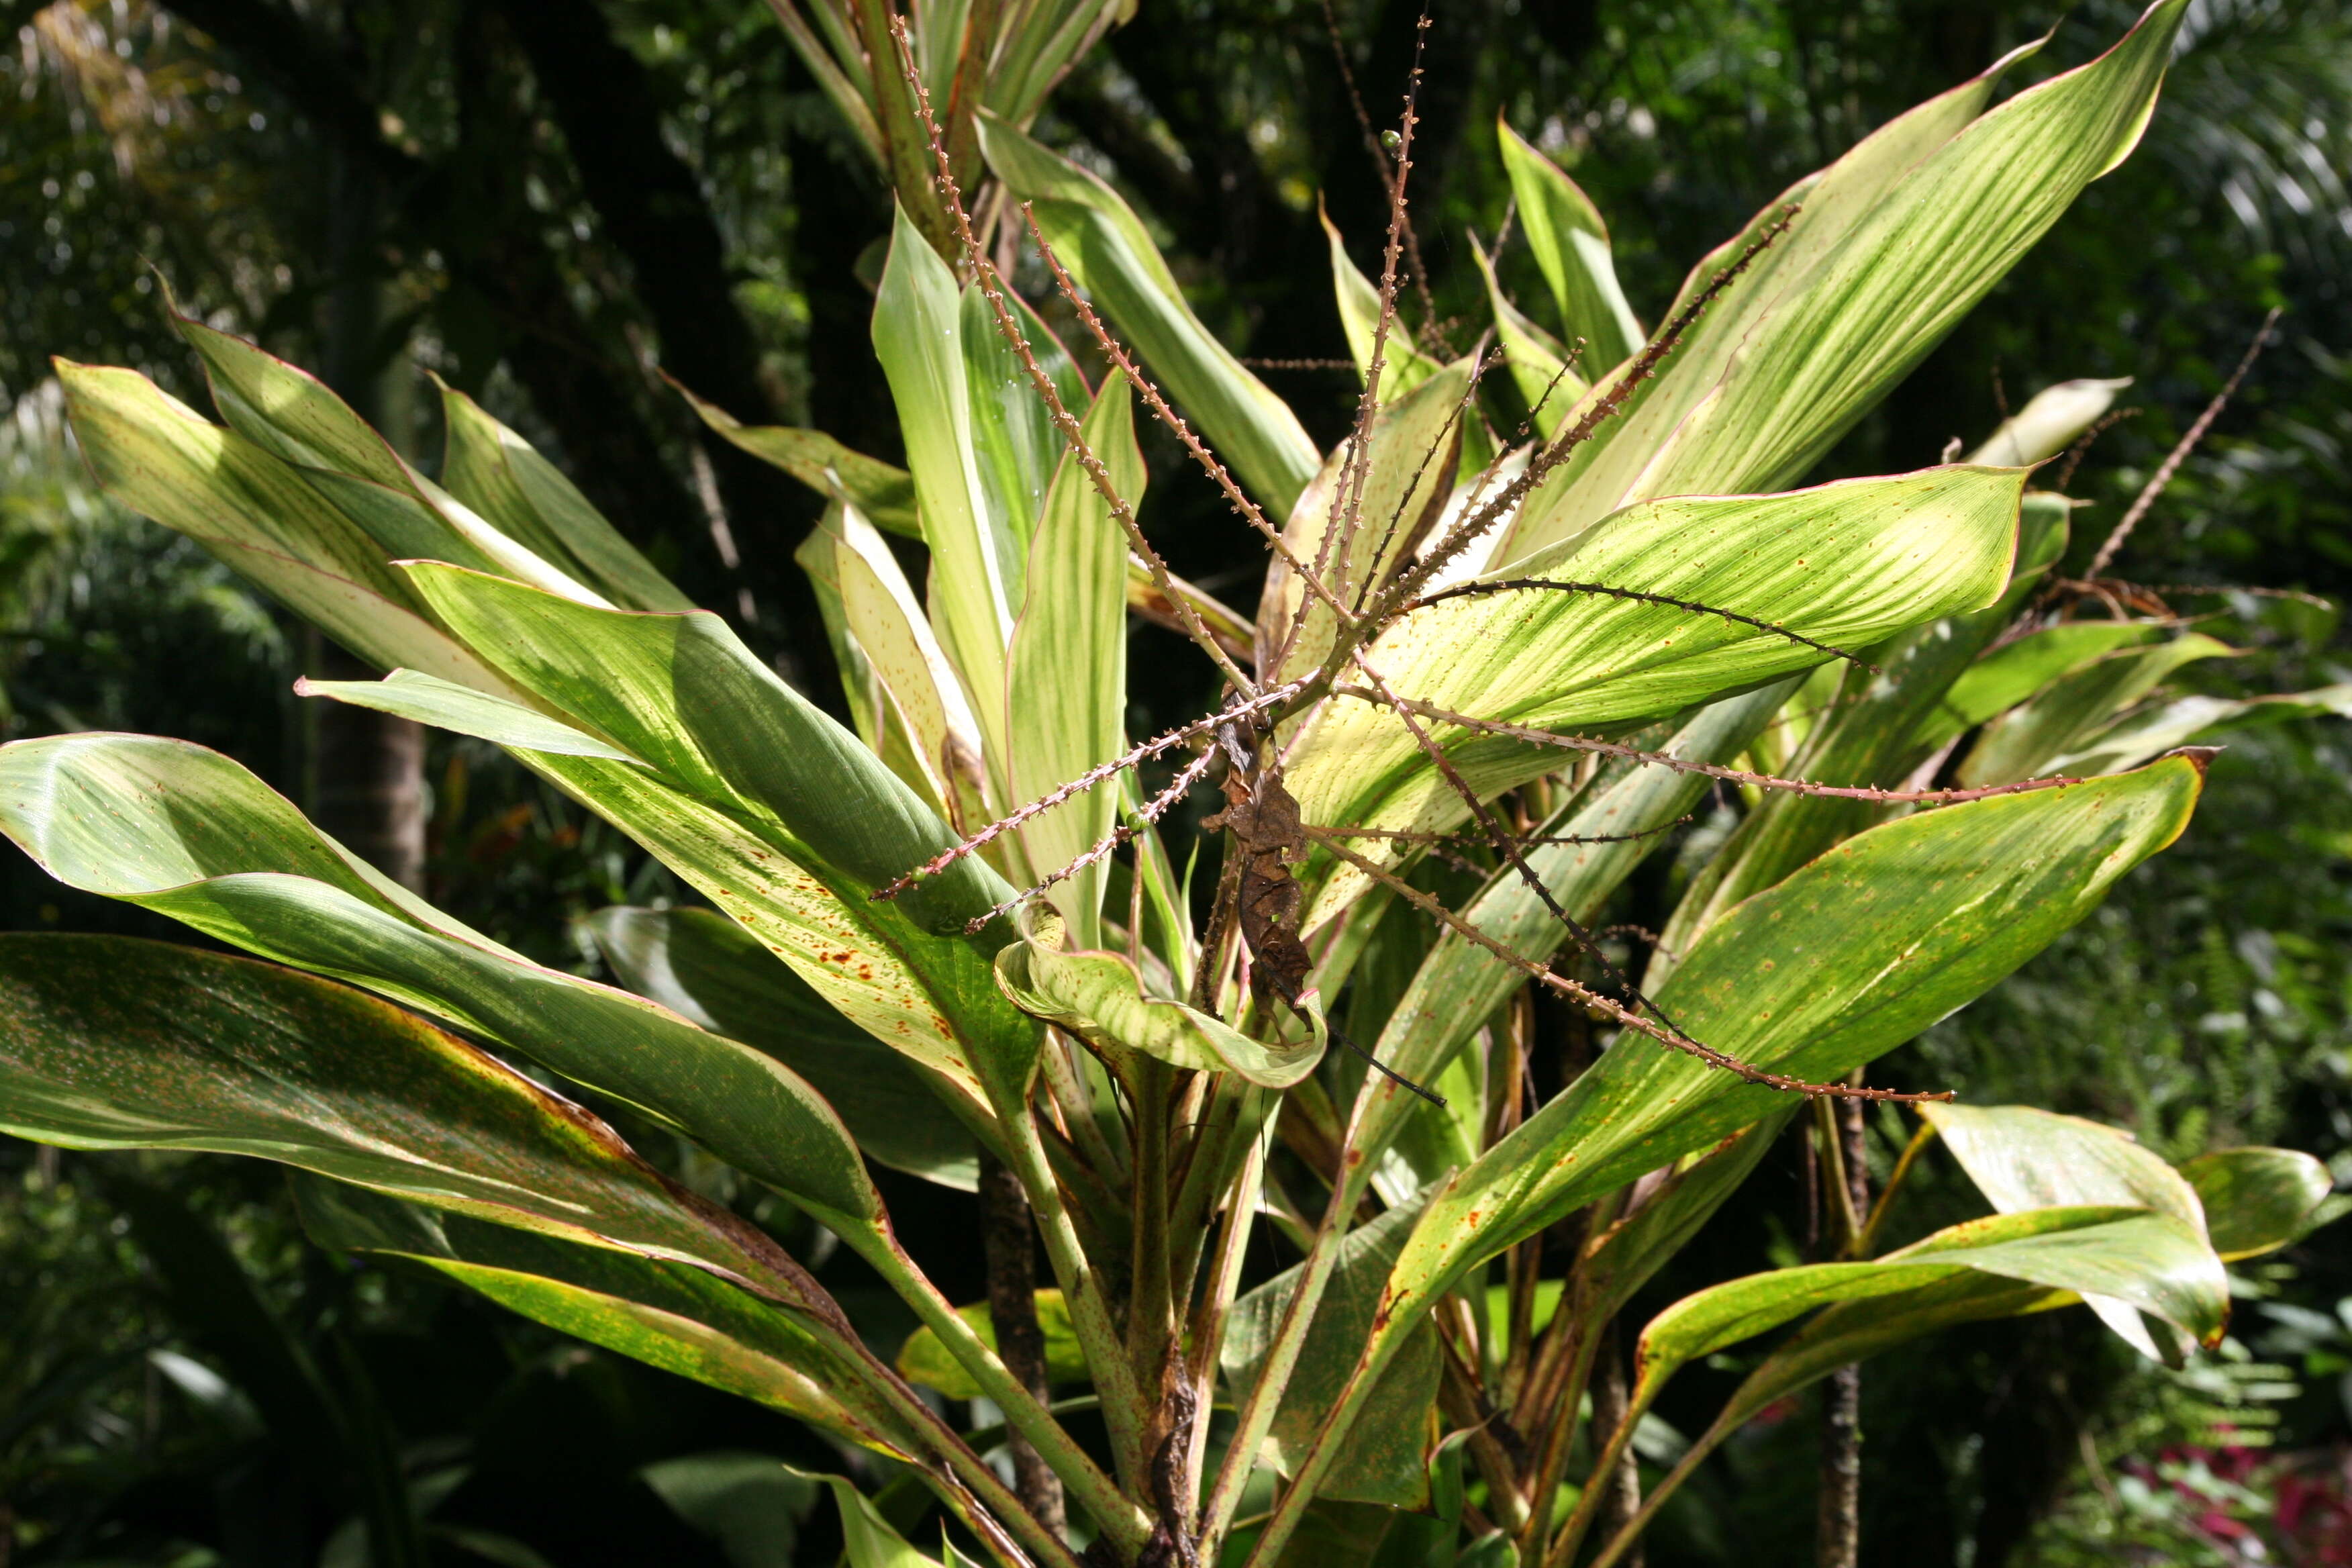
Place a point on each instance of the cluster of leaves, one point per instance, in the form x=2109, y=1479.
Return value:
x=1448, y=614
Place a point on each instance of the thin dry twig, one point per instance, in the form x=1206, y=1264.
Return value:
x=2084, y=443
x=1641, y=368
x=1709, y=770
x=1114, y=351
x=1348, y=498
x=1151, y=811
x=1516, y=584
x=1009, y=327
x=1087, y=781
x=1432, y=906
x=1347, y=365
x=1406, y=836
x=1390, y=177
x=2154, y=593
x=2179, y=453
x=1457, y=420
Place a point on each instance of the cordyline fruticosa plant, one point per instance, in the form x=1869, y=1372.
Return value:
x=1487, y=677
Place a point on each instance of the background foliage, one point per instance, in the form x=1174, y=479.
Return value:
x=540, y=200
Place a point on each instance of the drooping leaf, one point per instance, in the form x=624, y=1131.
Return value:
x=1098, y=237
x=710, y=969
x=2083, y=1249
x=659, y=1312
x=1099, y=997
x=2022, y=1158
x=187, y=832
x=1571, y=245
x=2257, y=1200
x=120, y=1043
x=2001, y=1266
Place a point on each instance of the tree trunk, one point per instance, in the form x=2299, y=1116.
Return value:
x=367, y=785
x=1008, y=1235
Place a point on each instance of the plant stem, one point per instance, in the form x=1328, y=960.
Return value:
x=1008, y=1237
x=1621, y=1483
x=1256, y=1417
x=1838, y=1525
x=1025, y=1412
x=1207, y=1329
x=1090, y=1315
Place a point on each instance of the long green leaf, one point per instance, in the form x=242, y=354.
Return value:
x=2002, y=1266
x=919, y=331
x=884, y=621
x=777, y=813
x=1571, y=245
x=1548, y=384
x=187, y=832
x=497, y=473
x=666, y=1315
x=1843, y=565
x=2257, y=1200
x=883, y=493
x=711, y=971
x=1098, y=237
x=1835, y=966
x=2073, y=709
x=1411, y=453
x=1065, y=688
x=295, y=417
x=1405, y=366
x=1895, y=242
x=161, y=458
x=2022, y=1158
x=119, y=1043
x=1384, y=1458
x=2048, y=423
